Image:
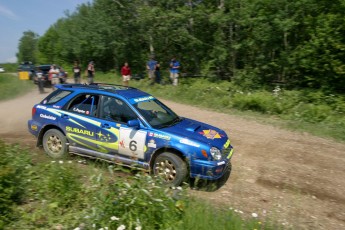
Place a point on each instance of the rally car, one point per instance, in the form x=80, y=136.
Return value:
x=127, y=126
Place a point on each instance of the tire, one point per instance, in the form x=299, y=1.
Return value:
x=211, y=185
x=221, y=181
x=171, y=168
x=54, y=143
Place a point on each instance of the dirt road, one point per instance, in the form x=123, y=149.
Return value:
x=296, y=179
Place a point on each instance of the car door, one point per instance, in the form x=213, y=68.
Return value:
x=114, y=135
x=78, y=121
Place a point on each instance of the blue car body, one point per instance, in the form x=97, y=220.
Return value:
x=80, y=113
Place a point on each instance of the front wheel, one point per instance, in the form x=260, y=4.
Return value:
x=54, y=143
x=171, y=168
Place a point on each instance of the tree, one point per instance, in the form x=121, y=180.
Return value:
x=27, y=48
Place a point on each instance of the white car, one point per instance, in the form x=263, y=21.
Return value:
x=2, y=69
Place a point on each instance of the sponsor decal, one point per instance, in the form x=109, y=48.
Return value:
x=41, y=107
x=189, y=142
x=47, y=117
x=104, y=137
x=80, y=131
x=152, y=144
x=210, y=134
x=34, y=127
x=45, y=102
x=80, y=111
x=161, y=136
x=57, y=106
x=143, y=99
x=122, y=144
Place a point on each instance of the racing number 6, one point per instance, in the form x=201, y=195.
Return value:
x=133, y=146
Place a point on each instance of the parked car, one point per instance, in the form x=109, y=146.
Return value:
x=27, y=66
x=2, y=70
x=127, y=126
x=46, y=78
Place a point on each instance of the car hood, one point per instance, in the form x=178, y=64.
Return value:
x=198, y=131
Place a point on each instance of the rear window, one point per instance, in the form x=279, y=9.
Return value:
x=55, y=97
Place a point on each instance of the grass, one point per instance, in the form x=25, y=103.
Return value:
x=54, y=195
x=11, y=86
x=315, y=112
x=10, y=67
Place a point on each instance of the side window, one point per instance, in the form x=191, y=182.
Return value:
x=85, y=104
x=116, y=110
x=55, y=97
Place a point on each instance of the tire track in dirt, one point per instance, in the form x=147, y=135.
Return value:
x=293, y=178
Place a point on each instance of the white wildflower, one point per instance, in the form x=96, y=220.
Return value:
x=60, y=162
x=114, y=218
x=121, y=227
x=138, y=228
x=255, y=215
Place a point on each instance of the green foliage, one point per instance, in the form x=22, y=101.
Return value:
x=299, y=43
x=262, y=102
x=61, y=184
x=143, y=201
x=11, y=86
x=316, y=111
x=13, y=169
x=10, y=67
x=27, y=47
x=70, y=195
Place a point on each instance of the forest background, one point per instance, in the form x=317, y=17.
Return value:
x=278, y=57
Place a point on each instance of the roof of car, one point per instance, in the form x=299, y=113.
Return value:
x=127, y=92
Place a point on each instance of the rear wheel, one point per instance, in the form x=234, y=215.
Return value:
x=54, y=143
x=171, y=168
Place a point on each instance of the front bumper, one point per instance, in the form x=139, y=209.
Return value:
x=210, y=170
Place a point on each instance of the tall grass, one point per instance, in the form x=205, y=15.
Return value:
x=70, y=195
x=312, y=111
x=11, y=86
x=10, y=67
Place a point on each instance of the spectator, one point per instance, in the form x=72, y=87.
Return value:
x=54, y=73
x=39, y=77
x=62, y=76
x=90, y=72
x=151, y=67
x=174, y=71
x=158, y=73
x=126, y=73
x=76, y=71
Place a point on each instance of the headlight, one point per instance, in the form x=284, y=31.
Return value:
x=216, y=154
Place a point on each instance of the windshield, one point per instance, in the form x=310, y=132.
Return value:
x=156, y=113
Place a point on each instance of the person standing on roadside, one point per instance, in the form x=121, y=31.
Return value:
x=76, y=71
x=174, y=71
x=39, y=77
x=151, y=67
x=54, y=73
x=90, y=72
x=158, y=73
x=126, y=74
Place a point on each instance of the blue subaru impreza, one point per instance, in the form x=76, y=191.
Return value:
x=127, y=126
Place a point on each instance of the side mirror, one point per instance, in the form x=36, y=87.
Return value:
x=134, y=123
